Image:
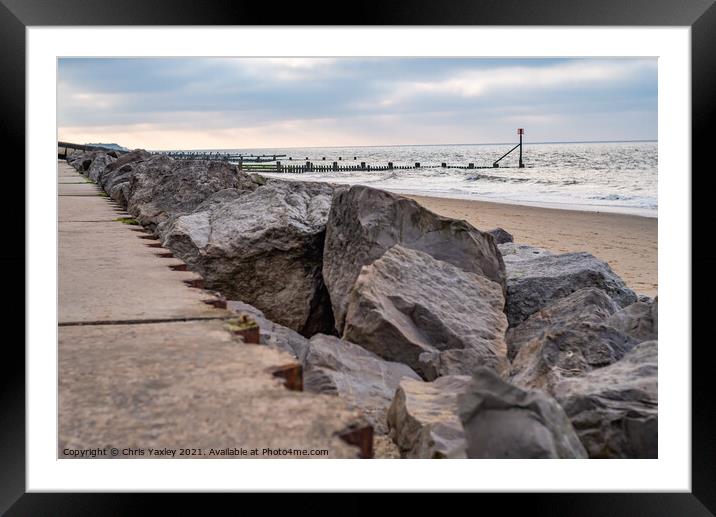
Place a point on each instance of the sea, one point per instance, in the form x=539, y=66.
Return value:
x=597, y=176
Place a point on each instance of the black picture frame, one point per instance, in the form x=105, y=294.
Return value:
x=700, y=15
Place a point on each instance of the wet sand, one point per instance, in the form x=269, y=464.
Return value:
x=627, y=242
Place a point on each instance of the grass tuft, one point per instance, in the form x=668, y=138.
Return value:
x=127, y=220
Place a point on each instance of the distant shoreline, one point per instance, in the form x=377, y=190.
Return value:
x=562, y=207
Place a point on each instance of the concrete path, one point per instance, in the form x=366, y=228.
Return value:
x=145, y=363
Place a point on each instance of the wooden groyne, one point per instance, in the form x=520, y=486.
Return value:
x=276, y=163
x=279, y=167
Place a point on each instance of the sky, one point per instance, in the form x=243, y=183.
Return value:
x=247, y=103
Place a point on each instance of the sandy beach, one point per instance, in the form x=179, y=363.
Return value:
x=627, y=242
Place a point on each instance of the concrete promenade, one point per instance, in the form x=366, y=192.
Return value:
x=145, y=363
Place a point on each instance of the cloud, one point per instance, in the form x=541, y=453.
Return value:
x=479, y=83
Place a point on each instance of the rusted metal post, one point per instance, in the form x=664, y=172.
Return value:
x=292, y=374
x=246, y=328
x=360, y=435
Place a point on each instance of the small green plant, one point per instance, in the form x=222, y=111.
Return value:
x=243, y=322
x=128, y=220
x=103, y=194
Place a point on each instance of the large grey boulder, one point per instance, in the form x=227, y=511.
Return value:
x=504, y=421
x=423, y=418
x=98, y=165
x=562, y=352
x=272, y=334
x=639, y=320
x=614, y=409
x=407, y=304
x=588, y=305
x=263, y=247
x=512, y=252
x=364, y=223
x=115, y=178
x=532, y=284
x=457, y=361
x=82, y=160
x=162, y=188
x=364, y=380
x=501, y=235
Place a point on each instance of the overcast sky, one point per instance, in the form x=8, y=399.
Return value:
x=223, y=103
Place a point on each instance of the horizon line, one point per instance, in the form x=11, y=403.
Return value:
x=417, y=145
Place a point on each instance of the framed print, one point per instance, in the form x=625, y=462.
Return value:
x=434, y=239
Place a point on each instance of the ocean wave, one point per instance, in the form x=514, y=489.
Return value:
x=613, y=197
x=501, y=179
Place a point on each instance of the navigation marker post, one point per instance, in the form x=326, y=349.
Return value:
x=521, y=131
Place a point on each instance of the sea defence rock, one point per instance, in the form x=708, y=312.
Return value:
x=456, y=362
x=82, y=160
x=588, y=305
x=501, y=235
x=364, y=223
x=504, y=421
x=272, y=334
x=114, y=180
x=572, y=351
x=361, y=378
x=639, y=320
x=532, y=284
x=407, y=303
x=264, y=247
x=423, y=418
x=512, y=252
x=98, y=165
x=162, y=188
x=614, y=409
